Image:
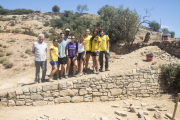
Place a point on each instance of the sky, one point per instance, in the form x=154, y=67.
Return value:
x=164, y=10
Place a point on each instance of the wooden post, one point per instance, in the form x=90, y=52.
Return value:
x=177, y=100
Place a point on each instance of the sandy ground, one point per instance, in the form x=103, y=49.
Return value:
x=85, y=111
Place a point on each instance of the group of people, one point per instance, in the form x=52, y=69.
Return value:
x=68, y=50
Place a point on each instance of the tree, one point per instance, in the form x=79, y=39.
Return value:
x=165, y=30
x=81, y=8
x=68, y=13
x=154, y=25
x=55, y=9
x=172, y=34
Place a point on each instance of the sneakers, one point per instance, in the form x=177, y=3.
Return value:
x=51, y=80
x=85, y=72
x=107, y=69
x=66, y=76
x=101, y=70
x=97, y=72
x=75, y=74
x=94, y=71
x=61, y=77
x=36, y=82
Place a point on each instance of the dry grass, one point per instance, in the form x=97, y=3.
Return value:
x=28, y=51
x=9, y=53
x=4, y=46
x=1, y=54
x=11, y=40
x=3, y=59
x=0, y=45
x=23, y=56
x=1, y=50
x=7, y=64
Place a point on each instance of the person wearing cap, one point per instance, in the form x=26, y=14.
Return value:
x=67, y=37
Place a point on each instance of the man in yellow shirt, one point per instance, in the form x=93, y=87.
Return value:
x=104, y=50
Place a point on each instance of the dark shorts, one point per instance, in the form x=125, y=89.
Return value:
x=95, y=54
x=88, y=52
x=71, y=58
x=62, y=60
x=80, y=56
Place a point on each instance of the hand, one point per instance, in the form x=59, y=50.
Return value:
x=107, y=50
x=77, y=54
x=84, y=57
x=53, y=63
x=95, y=51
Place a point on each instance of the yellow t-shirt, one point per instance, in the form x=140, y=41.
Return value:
x=88, y=42
x=104, y=40
x=54, y=53
x=95, y=44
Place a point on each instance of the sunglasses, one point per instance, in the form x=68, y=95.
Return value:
x=72, y=38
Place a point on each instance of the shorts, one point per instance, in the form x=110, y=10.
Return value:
x=88, y=52
x=62, y=60
x=80, y=56
x=55, y=63
x=71, y=58
x=95, y=54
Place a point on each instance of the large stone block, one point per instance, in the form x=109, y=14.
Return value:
x=104, y=98
x=26, y=90
x=77, y=99
x=39, y=103
x=62, y=85
x=66, y=99
x=82, y=92
x=136, y=84
x=54, y=86
x=47, y=94
x=3, y=95
x=109, y=85
x=39, y=88
x=11, y=103
x=32, y=89
x=68, y=92
x=69, y=84
x=55, y=94
x=46, y=87
x=11, y=95
x=115, y=92
x=20, y=103
x=36, y=97
x=3, y=104
x=96, y=99
x=19, y=92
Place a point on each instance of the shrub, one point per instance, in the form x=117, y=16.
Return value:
x=165, y=30
x=55, y=9
x=3, y=59
x=172, y=34
x=154, y=25
x=28, y=51
x=4, y=46
x=39, y=28
x=1, y=54
x=12, y=40
x=1, y=50
x=7, y=64
x=51, y=37
x=31, y=33
x=23, y=56
x=46, y=24
x=0, y=45
x=12, y=23
x=9, y=53
x=52, y=30
x=46, y=35
x=56, y=23
x=15, y=31
x=171, y=76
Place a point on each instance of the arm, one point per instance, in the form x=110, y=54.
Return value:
x=66, y=52
x=84, y=48
x=33, y=49
x=98, y=46
x=108, y=44
x=51, y=54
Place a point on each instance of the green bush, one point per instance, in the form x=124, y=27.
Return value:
x=7, y=64
x=4, y=46
x=55, y=9
x=3, y=59
x=1, y=54
x=172, y=34
x=28, y=51
x=0, y=45
x=1, y=50
x=31, y=33
x=12, y=23
x=46, y=23
x=154, y=25
x=39, y=28
x=16, y=31
x=46, y=35
x=52, y=31
x=56, y=23
x=9, y=53
x=171, y=76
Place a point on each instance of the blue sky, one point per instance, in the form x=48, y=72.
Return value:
x=166, y=10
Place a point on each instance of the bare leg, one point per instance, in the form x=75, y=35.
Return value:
x=94, y=62
x=54, y=69
x=97, y=62
x=81, y=66
x=62, y=69
x=68, y=66
x=87, y=60
x=75, y=65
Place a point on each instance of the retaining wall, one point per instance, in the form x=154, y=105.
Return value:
x=143, y=82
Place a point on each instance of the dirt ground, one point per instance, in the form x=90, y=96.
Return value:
x=86, y=110
x=23, y=73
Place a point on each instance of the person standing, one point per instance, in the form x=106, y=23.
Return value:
x=104, y=49
x=62, y=59
x=87, y=38
x=96, y=42
x=39, y=50
x=53, y=58
x=67, y=37
x=99, y=27
x=81, y=54
x=72, y=53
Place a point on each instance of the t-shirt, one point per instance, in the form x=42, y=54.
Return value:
x=67, y=39
x=100, y=35
x=40, y=50
x=104, y=40
x=88, y=42
x=95, y=44
x=54, y=53
x=62, y=49
x=72, y=47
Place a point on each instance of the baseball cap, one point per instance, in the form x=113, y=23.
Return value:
x=67, y=29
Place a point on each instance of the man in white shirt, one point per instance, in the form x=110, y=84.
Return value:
x=67, y=36
x=39, y=50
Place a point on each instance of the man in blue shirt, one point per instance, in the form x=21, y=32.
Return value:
x=99, y=26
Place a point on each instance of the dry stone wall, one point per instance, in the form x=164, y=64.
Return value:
x=143, y=82
x=171, y=47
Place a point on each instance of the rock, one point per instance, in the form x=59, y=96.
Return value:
x=116, y=106
x=147, y=118
x=126, y=103
x=77, y=99
x=145, y=112
x=66, y=118
x=39, y=88
x=151, y=109
x=82, y=92
x=121, y=113
x=115, y=92
x=36, y=97
x=68, y=92
x=11, y=95
x=39, y=103
x=154, y=63
x=132, y=109
x=46, y=87
x=161, y=104
x=169, y=115
x=160, y=109
x=104, y=118
x=11, y=103
x=20, y=103
x=93, y=116
x=129, y=119
x=144, y=104
x=140, y=114
x=19, y=92
x=66, y=99
x=157, y=115
x=118, y=118
x=69, y=84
